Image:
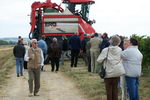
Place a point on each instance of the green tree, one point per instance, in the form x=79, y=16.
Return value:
x=2, y=42
x=144, y=46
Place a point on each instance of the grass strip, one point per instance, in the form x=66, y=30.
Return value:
x=91, y=85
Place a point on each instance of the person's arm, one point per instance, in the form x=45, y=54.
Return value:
x=14, y=51
x=102, y=55
x=124, y=54
x=42, y=58
x=26, y=57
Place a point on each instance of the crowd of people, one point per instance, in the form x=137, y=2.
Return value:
x=119, y=55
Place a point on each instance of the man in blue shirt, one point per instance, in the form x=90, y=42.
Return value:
x=42, y=44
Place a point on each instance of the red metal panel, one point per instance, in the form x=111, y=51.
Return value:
x=55, y=34
x=87, y=27
x=62, y=16
x=79, y=1
x=36, y=5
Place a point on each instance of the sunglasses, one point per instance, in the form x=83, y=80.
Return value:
x=35, y=43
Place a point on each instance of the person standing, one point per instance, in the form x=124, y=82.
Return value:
x=95, y=51
x=65, y=49
x=83, y=49
x=42, y=44
x=19, y=52
x=124, y=95
x=75, y=45
x=25, y=44
x=132, y=61
x=54, y=53
x=105, y=42
x=114, y=67
x=35, y=59
x=88, y=46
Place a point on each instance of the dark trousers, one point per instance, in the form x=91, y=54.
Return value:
x=25, y=65
x=74, y=57
x=89, y=63
x=111, y=85
x=55, y=61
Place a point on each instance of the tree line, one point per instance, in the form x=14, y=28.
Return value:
x=2, y=42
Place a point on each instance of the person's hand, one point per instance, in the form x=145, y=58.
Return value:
x=30, y=58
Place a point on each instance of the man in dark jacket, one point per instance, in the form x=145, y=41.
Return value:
x=75, y=45
x=105, y=42
x=65, y=49
x=19, y=52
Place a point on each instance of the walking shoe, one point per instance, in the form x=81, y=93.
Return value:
x=36, y=94
x=17, y=75
x=30, y=95
x=52, y=70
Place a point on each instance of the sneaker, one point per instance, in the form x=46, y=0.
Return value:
x=36, y=94
x=30, y=95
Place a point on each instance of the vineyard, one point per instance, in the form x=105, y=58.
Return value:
x=144, y=46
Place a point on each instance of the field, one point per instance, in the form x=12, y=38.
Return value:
x=88, y=83
x=6, y=64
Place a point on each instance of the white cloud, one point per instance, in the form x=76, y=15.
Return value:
x=113, y=16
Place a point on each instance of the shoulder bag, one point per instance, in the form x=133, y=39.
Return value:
x=102, y=72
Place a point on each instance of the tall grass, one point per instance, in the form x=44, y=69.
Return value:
x=6, y=64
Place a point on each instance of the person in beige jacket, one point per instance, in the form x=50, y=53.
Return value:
x=114, y=67
x=35, y=59
x=95, y=43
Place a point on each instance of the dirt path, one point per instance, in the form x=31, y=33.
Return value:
x=54, y=86
x=4, y=49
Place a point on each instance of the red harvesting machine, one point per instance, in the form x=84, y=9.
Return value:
x=51, y=20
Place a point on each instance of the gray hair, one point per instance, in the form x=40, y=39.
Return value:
x=54, y=39
x=115, y=40
x=33, y=40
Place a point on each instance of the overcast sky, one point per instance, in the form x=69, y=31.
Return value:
x=123, y=17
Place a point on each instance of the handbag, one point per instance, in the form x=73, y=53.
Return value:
x=102, y=72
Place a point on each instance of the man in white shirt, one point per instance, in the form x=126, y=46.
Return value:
x=35, y=59
x=132, y=60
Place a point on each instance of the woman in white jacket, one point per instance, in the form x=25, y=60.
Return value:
x=114, y=68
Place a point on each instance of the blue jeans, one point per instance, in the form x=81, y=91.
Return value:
x=132, y=87
x=19, y=66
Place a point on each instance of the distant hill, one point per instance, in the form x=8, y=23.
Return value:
x=12, y=39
